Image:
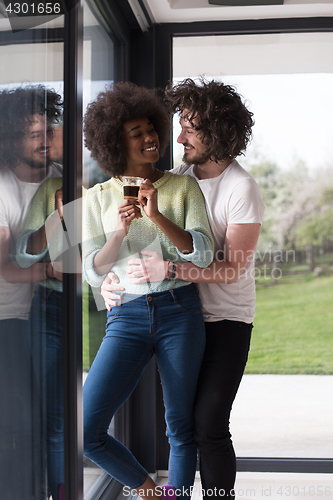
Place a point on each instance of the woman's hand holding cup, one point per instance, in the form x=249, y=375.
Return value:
x=147, y=198
x=127, y=212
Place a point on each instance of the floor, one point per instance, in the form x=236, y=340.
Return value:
x=92, y=477
x=252, y=485
x=284, y=416
x=273, y=486
x=276, y=416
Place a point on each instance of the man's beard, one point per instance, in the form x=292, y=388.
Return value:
x=38, y=165
x=199, y=159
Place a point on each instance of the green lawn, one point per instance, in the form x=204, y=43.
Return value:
x=93, y=336
x=293, y=329
x=93, y=327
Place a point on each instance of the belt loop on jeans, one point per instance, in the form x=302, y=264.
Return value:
x=173, y=295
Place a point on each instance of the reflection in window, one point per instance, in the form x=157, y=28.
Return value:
x=31, y=419
x=98, y=73
x=287, y=81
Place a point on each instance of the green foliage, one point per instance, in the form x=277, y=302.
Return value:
x=267, y=175
x=316, y=228
x=298, y=205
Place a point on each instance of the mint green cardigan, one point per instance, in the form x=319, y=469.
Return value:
x=42, y=206
x=179, y=199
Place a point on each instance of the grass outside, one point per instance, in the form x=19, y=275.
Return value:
x=93, y=336
x=93, y=327
x=293, y=328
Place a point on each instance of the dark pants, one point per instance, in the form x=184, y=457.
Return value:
x=45, y=325
x=17, y=445
x=227, y=347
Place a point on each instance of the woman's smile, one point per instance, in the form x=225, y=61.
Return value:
x=141, y=141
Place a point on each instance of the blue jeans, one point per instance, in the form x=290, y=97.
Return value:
x=46, y=332
x=170, y=325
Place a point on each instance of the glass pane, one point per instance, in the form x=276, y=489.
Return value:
x=31, y=417
x=98, y=72
x=282, y=408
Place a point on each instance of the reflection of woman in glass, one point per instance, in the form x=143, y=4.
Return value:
x=126, y=130
x=45, y=324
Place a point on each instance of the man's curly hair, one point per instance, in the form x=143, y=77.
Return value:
x=106, y=116
x=220, y=115
x=17, y=107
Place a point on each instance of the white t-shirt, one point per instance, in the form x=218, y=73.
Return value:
x=231, y=198
x=15, y=199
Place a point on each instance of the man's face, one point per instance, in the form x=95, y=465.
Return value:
x=194, y=149
x=36, y=143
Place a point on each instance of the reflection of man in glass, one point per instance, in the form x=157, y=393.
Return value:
x=27, y=115
x=45, y=324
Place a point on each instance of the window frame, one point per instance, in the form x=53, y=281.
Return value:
x=137, y=58
x=164, y=34
x=72, y=175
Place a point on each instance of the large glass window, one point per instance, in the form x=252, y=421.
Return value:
x=32, y=234
x=31, y=382
x=282, y=408
x=98, y=73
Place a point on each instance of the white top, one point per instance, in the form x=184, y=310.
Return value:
x=15, y=199
x=231, y=198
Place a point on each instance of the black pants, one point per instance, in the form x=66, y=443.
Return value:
x=227, y=347
x=19, y=409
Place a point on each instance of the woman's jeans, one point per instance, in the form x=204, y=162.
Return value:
x=45, y=324
x=227, y=347
x=170, y=325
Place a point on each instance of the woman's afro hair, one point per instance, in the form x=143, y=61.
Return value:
x=106, y=116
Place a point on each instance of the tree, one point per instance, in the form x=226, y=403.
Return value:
x=298, y=206
x=317, y=226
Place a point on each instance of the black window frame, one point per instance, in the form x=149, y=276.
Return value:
x=152, y=50
x=72, y=181
x=145, y=58
x=163, y=35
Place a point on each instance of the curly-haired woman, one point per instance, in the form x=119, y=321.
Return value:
x=126, y=130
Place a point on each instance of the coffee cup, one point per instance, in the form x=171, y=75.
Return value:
x=131, y=187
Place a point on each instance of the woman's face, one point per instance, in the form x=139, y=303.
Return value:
x=141, y=141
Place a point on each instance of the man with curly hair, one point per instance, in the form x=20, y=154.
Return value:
x=216, y=128
x=27, y=115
